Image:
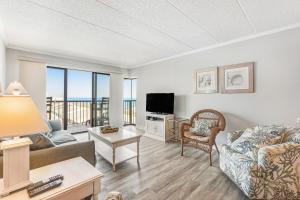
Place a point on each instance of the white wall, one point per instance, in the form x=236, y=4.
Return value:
x=2, y=65
x=12, y=57
x=30, y=69
x=32, y=76
x=277, y=82
x=116, y=100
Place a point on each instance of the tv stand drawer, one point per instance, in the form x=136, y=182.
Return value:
x=155, y=128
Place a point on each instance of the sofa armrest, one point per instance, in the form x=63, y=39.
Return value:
x=52, y=155
x=232, y=136
x=278, y=153
x=279, y=165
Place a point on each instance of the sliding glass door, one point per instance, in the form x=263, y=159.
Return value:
x=101, y=99
x=55, y=93
x=78, y=98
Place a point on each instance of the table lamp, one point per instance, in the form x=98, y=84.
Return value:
x=18, y=117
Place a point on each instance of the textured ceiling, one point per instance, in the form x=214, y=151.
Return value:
x=129, y=33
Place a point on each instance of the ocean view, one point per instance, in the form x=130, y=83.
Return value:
x=84, y=98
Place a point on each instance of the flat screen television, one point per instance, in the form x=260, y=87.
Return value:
x=160, y=103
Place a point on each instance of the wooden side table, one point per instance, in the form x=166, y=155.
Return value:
x=81, y=180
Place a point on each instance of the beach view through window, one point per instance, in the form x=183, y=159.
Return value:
x=70, y=98
x=129, y=101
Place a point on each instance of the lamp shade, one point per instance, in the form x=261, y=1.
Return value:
x=15, y=88
x=19, y=116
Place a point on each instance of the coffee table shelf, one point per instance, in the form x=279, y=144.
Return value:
x=122, y=153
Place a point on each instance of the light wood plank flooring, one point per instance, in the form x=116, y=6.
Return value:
x=165, y=175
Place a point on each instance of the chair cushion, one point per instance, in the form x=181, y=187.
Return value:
x=63, y=136
x=254, y=138
x=202, y=127
x=193, y=136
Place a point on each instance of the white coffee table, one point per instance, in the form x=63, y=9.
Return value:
x=111, y=146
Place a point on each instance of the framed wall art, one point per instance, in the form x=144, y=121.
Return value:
x=238, y=78
x=206, y=80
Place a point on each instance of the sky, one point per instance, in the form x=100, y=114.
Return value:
x=80, y=84
x=126, y=89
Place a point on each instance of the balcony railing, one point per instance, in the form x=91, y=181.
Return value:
x=129, y=111
x=79, y=112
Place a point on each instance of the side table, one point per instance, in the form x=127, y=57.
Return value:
x=174, y=129
x=81, y=180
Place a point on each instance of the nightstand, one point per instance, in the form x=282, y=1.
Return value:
x=81, y=180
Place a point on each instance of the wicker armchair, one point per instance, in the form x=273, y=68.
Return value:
x=201, y=142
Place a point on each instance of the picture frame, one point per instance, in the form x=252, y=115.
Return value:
x=237, y=78
x=206, y=80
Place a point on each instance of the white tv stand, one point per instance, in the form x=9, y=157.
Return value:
x=157, y=126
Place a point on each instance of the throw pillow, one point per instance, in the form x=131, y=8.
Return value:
x=49, y=126
x=249, y=146
x=292, y=136
x=49, y=133
x=254, y=138
x=55, y=125
x=202, y=127
x=39, y=141
x=271, y=130
x=61, y=137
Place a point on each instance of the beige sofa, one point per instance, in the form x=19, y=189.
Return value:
x=55, y=146
x=52, y=155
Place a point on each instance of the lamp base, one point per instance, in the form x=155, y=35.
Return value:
x=15, y=164
x=8, y=190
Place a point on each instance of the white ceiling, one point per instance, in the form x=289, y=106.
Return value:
x=129, y=33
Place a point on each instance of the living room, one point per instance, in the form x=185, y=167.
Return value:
x=163, y=99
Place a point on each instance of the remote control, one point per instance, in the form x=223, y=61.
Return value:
x=44, y=188
x=43, y=182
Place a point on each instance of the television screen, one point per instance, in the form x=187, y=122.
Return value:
x=160, y=103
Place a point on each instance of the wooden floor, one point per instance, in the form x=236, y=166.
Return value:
x=165, y=175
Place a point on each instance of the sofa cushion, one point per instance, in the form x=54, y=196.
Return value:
x=39, y=141
x=202, y=127
x=63, y=136
x=254, y=138
x=271, y=130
